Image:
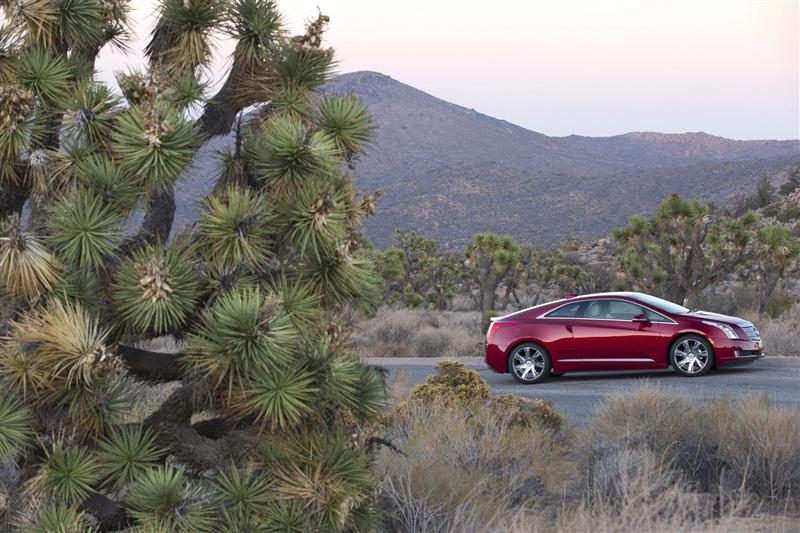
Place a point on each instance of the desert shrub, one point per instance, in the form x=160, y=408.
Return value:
x=790, y=213
x=453, y=383
x=399, y=331
x=780, y=301
x=740, y=444
x=431, y=342
x=461, y=468
x=525, y=412
x=781, y=335
x=647, y=418
x=395, y=325
x=750, y=439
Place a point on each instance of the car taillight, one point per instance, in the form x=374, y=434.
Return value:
x=495, y=326
x=492, y=328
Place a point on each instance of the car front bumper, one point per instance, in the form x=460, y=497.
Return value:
x=737, y=351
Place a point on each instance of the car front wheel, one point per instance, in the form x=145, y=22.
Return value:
x=692, y=355
x=529, y=363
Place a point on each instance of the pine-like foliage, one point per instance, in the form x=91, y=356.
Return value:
x=257, y=294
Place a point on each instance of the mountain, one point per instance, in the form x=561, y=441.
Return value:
x=448, y=172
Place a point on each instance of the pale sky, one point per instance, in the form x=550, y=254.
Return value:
x=589, y=67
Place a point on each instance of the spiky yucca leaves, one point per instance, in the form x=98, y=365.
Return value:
x=97, y=409
x=346, y=120
x=44, y=74
x=9, y=46
x=90, y=114
x=155, y=144
x=300, y=302
x=126, y=454
x=244, y=497
x=84, y=230
x=104, y=179
x=15, y=426
x=343, y=279
x=27, y=268
x=303, y=66
x=317, y=220
x=69, y=473
x=180, y=40
x=66, y=344
x=155, y=290
x=236, y=227
x=81, y=23
x=17, y=130
x=327, y=475
x=279, y=397
x=254, y=24
x=163, y=500
x=244, y=333
x=60, y=518
x=37, y=17
x=284, y=154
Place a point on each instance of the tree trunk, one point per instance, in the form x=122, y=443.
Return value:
x=12, y=198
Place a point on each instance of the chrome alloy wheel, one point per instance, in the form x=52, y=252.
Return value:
x=691, y=356
x=527, y=363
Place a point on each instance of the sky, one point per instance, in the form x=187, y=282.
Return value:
x=561, y=67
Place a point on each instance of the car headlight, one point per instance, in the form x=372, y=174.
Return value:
x=724, y=327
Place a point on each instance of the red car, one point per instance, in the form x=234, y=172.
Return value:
x=616, y=331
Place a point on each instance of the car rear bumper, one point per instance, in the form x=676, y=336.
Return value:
x=495, y=358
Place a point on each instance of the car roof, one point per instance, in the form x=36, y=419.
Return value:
x=632, y=295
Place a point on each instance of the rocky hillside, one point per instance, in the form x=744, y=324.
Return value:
x=448, y=171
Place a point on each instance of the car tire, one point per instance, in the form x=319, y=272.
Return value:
x=691, y=356
x=529, y=363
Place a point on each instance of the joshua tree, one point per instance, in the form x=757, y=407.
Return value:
x=684, y=248
x=257, y=293
x=491, y=259
x=777, y=252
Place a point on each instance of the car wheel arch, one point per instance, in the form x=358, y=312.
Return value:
x=518, y=342
x=678, y=336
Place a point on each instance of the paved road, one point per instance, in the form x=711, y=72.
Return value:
x=576, y=395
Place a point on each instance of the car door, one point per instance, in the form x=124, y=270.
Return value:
x=558, y=333
x=613, y=331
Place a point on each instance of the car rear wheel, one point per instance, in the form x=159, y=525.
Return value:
x=529, y=363
x=692, y=355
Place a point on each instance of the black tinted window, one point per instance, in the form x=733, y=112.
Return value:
x=567, y=311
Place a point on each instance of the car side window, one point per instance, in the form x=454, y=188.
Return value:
x=566, y=311
x=613, y=310
x=655, y=317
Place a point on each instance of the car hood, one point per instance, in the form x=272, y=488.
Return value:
x=716, y=317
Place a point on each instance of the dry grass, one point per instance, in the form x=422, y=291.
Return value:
x=401, y=332
x=650, y=461
x=781, y=335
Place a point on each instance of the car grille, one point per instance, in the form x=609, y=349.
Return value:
x=752, y=333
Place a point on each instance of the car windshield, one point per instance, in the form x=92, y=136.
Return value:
x=663, y=305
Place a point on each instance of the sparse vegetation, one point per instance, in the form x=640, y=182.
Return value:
x=650, y=460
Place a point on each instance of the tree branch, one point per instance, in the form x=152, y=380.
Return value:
x=151, y=366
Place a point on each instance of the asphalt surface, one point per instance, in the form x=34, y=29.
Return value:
x=577, y=395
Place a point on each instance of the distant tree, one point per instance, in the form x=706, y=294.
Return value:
x=777, y=252
x=416, y=249
x=683, y=249
x=792, y=183
x=391, y=265
x=442, y=275
x=490, y=261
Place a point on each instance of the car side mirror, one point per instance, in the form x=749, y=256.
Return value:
x=641, y=319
